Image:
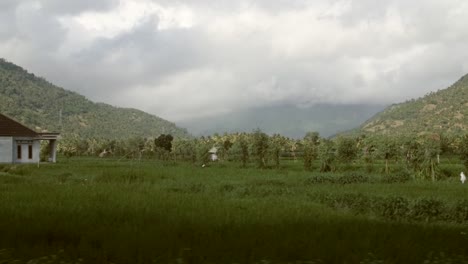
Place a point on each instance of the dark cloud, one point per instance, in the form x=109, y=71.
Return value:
x=142, y=56
x=38, y=28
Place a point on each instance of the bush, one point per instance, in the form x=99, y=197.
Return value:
x=427, y=209
x=352, y=178
x=343, y=179
x=399, y=177
x=358, y=203
x=450, y=170
x=394, y=208
x=317, y=179
x=397, y=208
x=461, y=211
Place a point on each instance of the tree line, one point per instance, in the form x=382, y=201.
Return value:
x=419, y=154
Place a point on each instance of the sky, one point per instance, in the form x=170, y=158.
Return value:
x=184, y=59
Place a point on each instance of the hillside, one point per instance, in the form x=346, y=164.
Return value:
x=442, y=111
x=37, y=103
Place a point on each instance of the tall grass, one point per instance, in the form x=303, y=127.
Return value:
x=109, y=211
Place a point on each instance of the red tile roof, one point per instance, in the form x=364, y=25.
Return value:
x=9, y=127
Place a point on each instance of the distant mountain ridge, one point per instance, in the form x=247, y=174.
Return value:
x=45, y=107
x=287, y=120
x=444, y=111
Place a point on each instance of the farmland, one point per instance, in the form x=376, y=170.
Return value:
x=110, y=210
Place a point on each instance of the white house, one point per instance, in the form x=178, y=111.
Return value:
x=19, y=144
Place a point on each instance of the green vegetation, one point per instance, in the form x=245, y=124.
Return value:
x=388, y=195
x=444, y=111
x=38, y=104
x=143, y=211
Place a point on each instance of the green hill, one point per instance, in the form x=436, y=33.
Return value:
x=45, y=107
x=444, y=111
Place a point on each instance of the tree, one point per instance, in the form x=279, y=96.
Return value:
x=260, y=147
x=369, y=152
x=182, y=149
x=244, y=148
x=225, y=147
x=202, y=148
x=464, y=150
x=388, y=149
x=421, y=155
x=240, y=149
x=134, y=147
x=327, y=155
x=414, y=153
x=310, y=143
x=347, y=149
x=277, y=143
x=164, y=142
x=313, y=137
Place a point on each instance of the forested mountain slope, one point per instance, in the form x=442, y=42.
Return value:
x=444, y=111
x=45, y=107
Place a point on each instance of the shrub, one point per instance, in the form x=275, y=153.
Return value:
x=400, y=177
x=394, y=208
x=461, y=211
x=352, y=178
x=343, y=179
x=427, y=209
x=317, y=179
x=358, y=203
x=450, y=170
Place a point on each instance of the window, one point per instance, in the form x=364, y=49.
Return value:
x=18, y=152
x=30, y=151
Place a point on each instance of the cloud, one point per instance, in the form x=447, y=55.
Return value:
x=60, y=7
x=184, y=59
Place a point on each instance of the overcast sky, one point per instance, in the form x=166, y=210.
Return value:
x=181, y=59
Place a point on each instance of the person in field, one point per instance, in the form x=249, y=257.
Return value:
x=462, y=177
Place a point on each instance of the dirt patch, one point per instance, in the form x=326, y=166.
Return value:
x=429, y=108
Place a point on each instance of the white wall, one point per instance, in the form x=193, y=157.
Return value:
x=25, y=150
x=6, y=149
x=36, y=151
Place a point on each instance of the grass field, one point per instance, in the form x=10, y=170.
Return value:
x=86, y=210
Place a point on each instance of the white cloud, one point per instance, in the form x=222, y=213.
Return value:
x=183, y=58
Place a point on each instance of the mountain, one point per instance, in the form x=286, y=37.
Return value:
x=442, y=111
x=287, y=120
x=45, y=107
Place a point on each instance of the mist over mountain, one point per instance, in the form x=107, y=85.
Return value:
x=287, y=120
